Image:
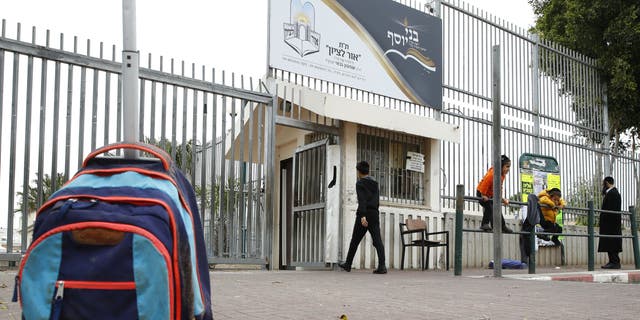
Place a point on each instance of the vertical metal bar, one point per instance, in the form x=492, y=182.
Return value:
x=234, y=213
x=606, y=129
x=1, y=89
x=532, y=250
x=152, y=113
x=243, y=177
x=496, y=137
x=459, y=219
x=107, y=107
x=212, y=178
x=94, y=111
x=81, y=121
x=270, y=129
x=25, y=209
x=12, y=152
x=143, y=90
x=163, y=119
x=224, y=198
x=119, y=112
x=42, y=124
x=194, y=128
x=203, y=165
x=183, y=148
x=174, y=123
x=67, y=152
x=591, y=245
x=56, y=123
x=634, y=235
x=251, y=203
x=130, y=75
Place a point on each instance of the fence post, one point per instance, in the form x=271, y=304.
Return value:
x=457, y=268
x=532, y=254
x=591, y=246
x=634, y=234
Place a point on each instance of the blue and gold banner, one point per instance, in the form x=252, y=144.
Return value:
x=378, y=46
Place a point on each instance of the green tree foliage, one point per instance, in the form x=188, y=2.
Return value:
x=609, y=32
x=32, y=192
x=183, y=154
x=583, y=191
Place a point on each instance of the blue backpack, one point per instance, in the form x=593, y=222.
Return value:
x=121, y=240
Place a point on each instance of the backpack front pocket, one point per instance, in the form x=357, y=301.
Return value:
x=94, y=300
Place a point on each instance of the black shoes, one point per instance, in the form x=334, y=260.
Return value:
x=611, y=266
x=345, y=267
x=380, y=270
x=486, y=227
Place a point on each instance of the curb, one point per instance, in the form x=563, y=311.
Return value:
x=632, y=276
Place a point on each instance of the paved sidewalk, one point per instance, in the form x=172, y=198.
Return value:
x=608, y=276
x=402, y=295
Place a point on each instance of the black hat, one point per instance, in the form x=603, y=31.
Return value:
x=363, y=167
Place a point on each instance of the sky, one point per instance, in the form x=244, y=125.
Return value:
x=227, y=35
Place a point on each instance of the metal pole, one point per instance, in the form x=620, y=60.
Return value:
x=497, y=167
x=605, y=143
x=270, y=164
x=535, y=86
x=532, y=246
x=591, y=245
x=130, y=64
x=634, y=234
x=457, y=269
x=437, y=11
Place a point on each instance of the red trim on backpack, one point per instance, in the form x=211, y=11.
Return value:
x=98, y=285
x=118, y=227
x=157, y=152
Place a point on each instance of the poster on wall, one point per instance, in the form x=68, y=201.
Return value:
x=537, y=173
x=378, y=46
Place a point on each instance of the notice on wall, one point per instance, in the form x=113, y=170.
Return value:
x=415, y=162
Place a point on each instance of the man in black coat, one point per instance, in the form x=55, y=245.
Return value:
x=367, y=218
x=610, y=224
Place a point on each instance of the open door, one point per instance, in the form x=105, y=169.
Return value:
x=314, y=222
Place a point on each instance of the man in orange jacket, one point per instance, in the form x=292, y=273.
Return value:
x=550, y=203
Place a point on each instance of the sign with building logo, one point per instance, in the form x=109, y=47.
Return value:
x=379, y=46
x=415, y=162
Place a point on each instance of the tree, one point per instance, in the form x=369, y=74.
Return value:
x=32, y=192
x=578, y=197
x=608, y=31
x=183, y=155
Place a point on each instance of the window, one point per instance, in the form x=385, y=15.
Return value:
x=387, y=155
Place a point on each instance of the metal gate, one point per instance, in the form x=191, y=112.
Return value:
x=63, y=104
x=309, y=205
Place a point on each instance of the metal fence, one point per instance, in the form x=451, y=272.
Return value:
x=553, y=103
x=66, y=103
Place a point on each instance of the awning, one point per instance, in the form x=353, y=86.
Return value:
x=344, y=109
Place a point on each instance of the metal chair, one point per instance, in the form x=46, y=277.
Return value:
x=417, y=226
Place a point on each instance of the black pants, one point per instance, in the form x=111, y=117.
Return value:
x=614, y=257
x=525, y=245
x=358, y=233
x=487, y=213
x=551, y=227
